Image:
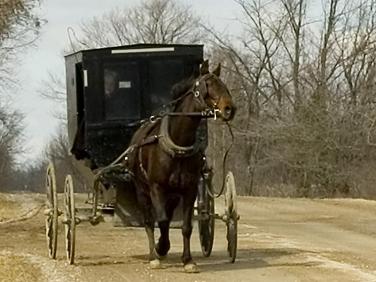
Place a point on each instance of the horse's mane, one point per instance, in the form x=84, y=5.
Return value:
x=182, y=87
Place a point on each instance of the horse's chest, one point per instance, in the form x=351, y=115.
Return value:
x=183, y=175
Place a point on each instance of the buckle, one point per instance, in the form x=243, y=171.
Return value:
x=215, y=113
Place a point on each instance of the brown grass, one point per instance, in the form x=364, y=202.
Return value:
x=8, y=208
x=17, y=268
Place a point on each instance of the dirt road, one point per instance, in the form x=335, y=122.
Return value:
x=279, y=240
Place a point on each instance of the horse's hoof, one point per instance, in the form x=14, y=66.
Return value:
x=155, y=264
x=158, y=256
x=191, y=268
x=162, y=250
x=161, y=257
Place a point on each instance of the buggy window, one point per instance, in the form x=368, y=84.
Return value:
x=163, y=75
x=121, y=96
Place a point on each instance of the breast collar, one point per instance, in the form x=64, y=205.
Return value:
x=170, y=147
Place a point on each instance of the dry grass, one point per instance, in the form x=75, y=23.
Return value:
x=16, y=205
x=17, y=268
x=8, y=208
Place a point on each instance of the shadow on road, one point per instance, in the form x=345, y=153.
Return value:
x=246, y=259
x=98, y=260
x=257, y=258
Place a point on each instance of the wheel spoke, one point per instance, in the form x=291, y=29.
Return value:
x=232, y=216
x=70, y=222
x=52, y=217
x=206, y=217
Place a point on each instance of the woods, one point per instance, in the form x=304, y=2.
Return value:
x=306, y=85
x=302, y=74
x=19, y=27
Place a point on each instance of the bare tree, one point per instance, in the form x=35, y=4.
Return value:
x=57, y=151
x=11, y=127
x=15, y=15
x=19, y=26
x=266, y=62
x=151, y=21
x=53, y=89
x=310, y=83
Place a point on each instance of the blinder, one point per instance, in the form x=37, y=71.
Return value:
x=200, y=90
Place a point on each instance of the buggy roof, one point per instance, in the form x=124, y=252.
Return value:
x=140, y=47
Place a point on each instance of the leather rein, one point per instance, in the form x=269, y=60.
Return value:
x=199, y=91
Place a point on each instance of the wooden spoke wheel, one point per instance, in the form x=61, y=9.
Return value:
x=51, y=211
x=206, y=216
x=70, y=219
x=231, y=216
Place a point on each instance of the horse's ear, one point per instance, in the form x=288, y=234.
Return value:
x=204, y=67
x=217, y=70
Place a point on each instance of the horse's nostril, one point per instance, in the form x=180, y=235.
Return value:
x=228, y=110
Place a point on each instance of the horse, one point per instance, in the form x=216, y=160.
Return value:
x=167, y=160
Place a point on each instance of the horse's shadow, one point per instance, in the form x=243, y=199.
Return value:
x=246, y=259
x=257, y=258
x=252, y=258
x=99, y=260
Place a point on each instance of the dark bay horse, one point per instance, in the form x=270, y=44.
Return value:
x=167, y=163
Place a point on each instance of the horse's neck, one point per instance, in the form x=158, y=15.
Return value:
x=183, y=129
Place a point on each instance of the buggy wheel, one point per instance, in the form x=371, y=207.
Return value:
x=231, y=216
x=70, y=219
x=206, y=219
x=51, y=211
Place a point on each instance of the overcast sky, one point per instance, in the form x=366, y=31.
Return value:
x=47, y=56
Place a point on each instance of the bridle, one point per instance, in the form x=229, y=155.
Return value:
x=200, y=92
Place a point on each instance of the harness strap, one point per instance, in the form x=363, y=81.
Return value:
x=170, y=147
x=203, y=114
x=200, y=90
x=143, y=171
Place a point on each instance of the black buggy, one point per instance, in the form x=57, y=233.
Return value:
x=110, y=92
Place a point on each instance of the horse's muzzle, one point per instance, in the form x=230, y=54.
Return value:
x=228, y=113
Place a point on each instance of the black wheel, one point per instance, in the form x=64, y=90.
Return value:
x=231, y=216
x=51, y=211
x=206, y=216
x=70, y=219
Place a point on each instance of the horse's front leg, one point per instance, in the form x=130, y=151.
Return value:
x=149, y=221
x=188, y=202
x=149, y=227
x=158, y=200
x=163, y=245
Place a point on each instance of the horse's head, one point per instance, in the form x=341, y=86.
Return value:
x=213, y=93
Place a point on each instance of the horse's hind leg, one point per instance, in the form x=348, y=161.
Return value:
x=188, y=203
x=163, y=245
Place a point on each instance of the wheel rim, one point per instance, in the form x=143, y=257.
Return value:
x=70, y=219
x=206, y=229
x=230, y=196
x=52, y=214
x=232, y=238
x=206, y=226
x=232, y=216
